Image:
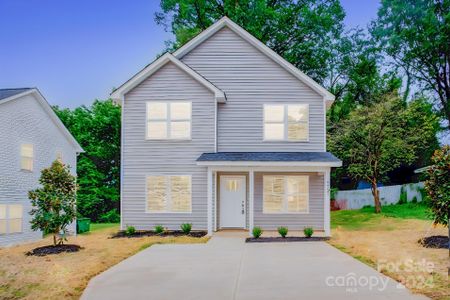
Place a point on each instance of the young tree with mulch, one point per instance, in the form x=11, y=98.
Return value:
x=54, y=202
x=437, y=186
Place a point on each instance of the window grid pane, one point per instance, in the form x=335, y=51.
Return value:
x=156, y=193
x=180, y=193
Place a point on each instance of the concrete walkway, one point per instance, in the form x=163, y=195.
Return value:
x=228, y=268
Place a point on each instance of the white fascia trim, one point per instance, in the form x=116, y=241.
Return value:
x=225, y=21
x=155, y=66
x=48, y=109
x=270, y=163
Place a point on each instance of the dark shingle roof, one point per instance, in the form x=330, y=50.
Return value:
x=6, y=93
x=269, y=156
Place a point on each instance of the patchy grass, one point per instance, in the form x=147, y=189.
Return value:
x=65, y=275
x=391, y=239
x=100, y=226
x=366, y=219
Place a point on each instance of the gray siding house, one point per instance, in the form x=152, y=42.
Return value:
x=31, y=138
x=224, y=133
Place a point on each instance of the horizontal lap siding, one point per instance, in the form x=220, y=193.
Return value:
x=143, y=157
x=314, y=218
x=250, y=78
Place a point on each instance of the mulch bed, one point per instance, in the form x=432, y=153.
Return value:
x=48, y=250
x=286, y=239
x=436, y=241
x=142, y=233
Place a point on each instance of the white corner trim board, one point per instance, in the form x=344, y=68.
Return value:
x=158, y=64
x=225, y=21
x=48, y=109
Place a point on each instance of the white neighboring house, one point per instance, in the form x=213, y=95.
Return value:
x=31, y=138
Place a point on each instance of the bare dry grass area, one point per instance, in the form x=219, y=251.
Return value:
x=391, y=246
x=65, y=275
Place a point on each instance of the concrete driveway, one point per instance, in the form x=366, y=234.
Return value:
x=228, y=268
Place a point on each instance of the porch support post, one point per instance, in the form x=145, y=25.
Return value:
x=251, y=183
x=326, y=206
x=209, y=201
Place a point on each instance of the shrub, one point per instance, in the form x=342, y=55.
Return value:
x=403, y=196
x=159, y=229
x=257, y=231
x=186, y=227
x=130, y=230
x=308, y=231
x=283, y=231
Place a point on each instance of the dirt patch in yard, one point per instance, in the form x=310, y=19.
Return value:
x=47, y=250
x=65, y=275
x=391, y=247
x=173, y=233
x=435, y=241
x=285, y=239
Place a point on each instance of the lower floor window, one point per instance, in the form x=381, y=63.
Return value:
x=285, y=194
x=10, y=218
x=169, y=193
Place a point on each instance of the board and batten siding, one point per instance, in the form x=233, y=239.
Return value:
x=294, y=221
x=143, y=157
x=251, y=79
x=24, y=121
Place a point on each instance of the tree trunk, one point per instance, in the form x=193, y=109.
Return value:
x=54, y=239
x=376, y=197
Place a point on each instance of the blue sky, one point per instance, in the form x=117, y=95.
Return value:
x=77, y=51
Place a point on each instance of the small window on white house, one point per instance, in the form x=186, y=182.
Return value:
x=168, y=120
x=169, y=193
x=59, y=155
x=11, y=218
x=285, y=194
x=286, y=122
x=26, y=157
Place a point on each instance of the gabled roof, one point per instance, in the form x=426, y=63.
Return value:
x=21, y=92
x=262, y=158
x=158, y=64
x=226, y=22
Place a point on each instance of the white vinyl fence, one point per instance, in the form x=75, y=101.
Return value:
x=355, y=199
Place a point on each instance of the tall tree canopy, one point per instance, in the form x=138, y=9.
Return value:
x=97, y=129
x=416, y=35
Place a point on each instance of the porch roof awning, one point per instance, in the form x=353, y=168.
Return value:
x=269, y=158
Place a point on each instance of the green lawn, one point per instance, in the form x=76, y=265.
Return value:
x=99, y=226
x=365, y=218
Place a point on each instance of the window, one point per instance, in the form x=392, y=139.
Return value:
x=26, y=157
x=59, y=155
x=10, y=218
x=285, y=194
x=169, y=193
x=168, y=120
x=286, y=122
x=232, y=185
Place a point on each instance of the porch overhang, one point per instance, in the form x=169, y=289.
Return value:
x=269, y=159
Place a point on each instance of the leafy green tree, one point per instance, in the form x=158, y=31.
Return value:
x=438, y=186
x=373, y=141
x=97, y=129
x=416, y=34
x=54, y=202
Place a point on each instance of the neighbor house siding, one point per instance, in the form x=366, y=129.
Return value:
x=295, y=221
x=143, y=157
x=24, y=121
x=250, y=79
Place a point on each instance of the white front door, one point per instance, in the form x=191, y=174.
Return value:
x=232, y=201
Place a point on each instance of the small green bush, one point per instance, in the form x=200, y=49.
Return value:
x=403, y=196
x=308, y=231
x=257, y=231
x=186, y=228
x=130, y=230
x=159, y=229
x=283, y=231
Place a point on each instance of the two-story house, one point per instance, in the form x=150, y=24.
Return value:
x=224, y=133
x=31, y=138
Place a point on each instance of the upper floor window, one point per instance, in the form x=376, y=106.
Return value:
x=11, y=218
x=286, y=122
x=26, y=157
x=168, y=120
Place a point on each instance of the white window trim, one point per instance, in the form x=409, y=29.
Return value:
x=285, y=195
x=168, y=188
x=8, y=219
x=285, y=122
x=21, y=157
x=168, y=121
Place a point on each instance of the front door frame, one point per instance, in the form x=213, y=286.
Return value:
x=244, y=175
